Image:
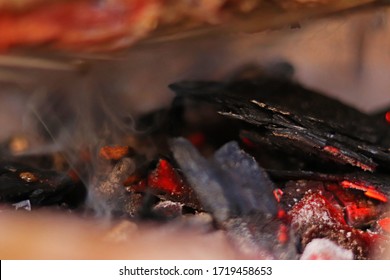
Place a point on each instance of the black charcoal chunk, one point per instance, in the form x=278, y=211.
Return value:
x=204, y=177
x=231, y=185
x=238, y=193
x=250, y=181
x=41, y=187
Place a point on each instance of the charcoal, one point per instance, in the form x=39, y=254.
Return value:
x=238, y=193
x=232, y=176
x=283, y=115
x=380, y=182
x=49, y=157
x=204, y=177
x=20, y=182
x=246, y=176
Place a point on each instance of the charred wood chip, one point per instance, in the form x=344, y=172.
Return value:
x=282, y=113
x=20, y=182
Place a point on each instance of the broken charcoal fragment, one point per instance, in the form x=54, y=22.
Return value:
x=252, y=184
x=238, y=193
x=204, y=177
x=246, y=190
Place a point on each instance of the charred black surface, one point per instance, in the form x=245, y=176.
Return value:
x=282, y=115
x=19, y=182
x=239, y=195
x=377, y=181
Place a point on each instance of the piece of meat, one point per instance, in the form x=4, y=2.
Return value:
x=109, y=24
x=116, y=24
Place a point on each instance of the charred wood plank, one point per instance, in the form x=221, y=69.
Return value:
x=285, y=115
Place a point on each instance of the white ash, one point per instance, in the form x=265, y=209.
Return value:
x=308, y=214
x=24, y=204
x=324, y=249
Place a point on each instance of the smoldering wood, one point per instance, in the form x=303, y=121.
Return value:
x=281, y=114
x=378, y=181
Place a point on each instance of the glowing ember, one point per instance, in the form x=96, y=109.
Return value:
x=336, y=152
x=315, y=209
x=283, y=234
x=369, y=191
x=248, y=143
x=314, y=216
x=387, y=116
x=332, y=150
x=165, y=178
x=278, y=194
x=385, y=224
x=114, y=152
x=197, y=139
